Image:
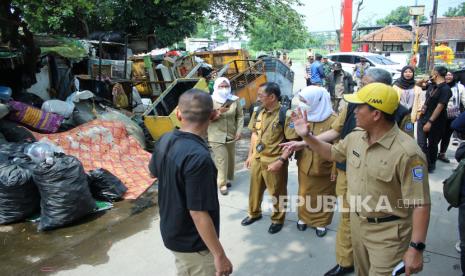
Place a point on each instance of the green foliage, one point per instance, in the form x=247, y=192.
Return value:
x=169, y=20
x=207, y=26
x=457, y=11
x=279, y=28
x=397, y=17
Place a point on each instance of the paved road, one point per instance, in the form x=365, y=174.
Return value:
x=252, y=250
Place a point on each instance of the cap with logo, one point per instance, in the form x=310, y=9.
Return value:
x=378, y=95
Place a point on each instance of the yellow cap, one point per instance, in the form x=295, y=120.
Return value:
x=378, y=95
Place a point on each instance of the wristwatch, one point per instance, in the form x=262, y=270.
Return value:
x=282, y=159
x=418, y=246
x=430, y=121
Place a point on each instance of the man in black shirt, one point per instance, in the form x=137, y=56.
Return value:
x=432, y=122
x=187, y=194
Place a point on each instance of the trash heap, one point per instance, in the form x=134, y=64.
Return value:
x=38, y=178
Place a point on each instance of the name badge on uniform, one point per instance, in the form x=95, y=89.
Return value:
x=417, y=174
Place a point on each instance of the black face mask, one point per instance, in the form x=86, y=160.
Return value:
x=337, y=71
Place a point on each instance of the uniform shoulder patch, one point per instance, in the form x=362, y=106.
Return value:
x=417, y=173
x=408, y=127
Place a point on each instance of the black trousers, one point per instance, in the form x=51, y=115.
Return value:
x=447, y=134
x=429, y=142
x=462, y=236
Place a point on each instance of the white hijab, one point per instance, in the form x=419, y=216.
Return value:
x=218, y=95
x=318, y=105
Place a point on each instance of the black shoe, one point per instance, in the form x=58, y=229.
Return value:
x=443, y=158
x=301, y=227
x=249, y=220
x=275, y=228
x=321, y=233
x=228, y=185
x=339, y=270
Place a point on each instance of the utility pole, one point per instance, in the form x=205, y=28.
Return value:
x=415, y=11
x=432, y=36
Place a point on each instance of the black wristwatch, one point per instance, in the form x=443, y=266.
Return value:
x=282, y=159
x=418, y=246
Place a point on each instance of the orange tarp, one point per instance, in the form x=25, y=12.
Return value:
x=106, y=144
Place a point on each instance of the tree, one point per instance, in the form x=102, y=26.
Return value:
x=279, y=28
x=398, y=16
x=207, y=26
x=169, y=20
x=457, y=11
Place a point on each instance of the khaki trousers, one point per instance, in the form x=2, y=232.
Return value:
x=378, y=248
x=312, y=189
x=275, y=183
x=194, y=264
x=344, y=253
x=223, y=156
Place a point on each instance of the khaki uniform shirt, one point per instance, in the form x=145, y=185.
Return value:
x=338, y=123
x=310, y=162
x=392, y=172
x=270, y=133
x=228, y=125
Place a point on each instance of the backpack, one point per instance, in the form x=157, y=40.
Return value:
x=453, y=185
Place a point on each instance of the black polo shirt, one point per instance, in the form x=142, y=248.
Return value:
x=186, y=181
x=434, y=96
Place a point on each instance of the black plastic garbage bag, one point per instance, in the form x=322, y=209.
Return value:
x=13, y=149
x=19, y=196
x=64, y=191
x=104, y=185
x=14, y=132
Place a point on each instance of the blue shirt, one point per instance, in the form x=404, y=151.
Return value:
x=317, y=73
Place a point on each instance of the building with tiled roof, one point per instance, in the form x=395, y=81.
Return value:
x=388, y=39
x=450, y=31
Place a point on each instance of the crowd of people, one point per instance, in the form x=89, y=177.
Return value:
x=358, y=147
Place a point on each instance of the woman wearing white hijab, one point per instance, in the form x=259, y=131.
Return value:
x=224, y=131
x=316, y=175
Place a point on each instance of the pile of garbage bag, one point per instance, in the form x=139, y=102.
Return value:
x=39, y=178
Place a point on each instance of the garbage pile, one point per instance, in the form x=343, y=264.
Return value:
x=38, y=178
x=59, y=159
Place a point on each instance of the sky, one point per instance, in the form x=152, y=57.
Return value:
x=319, y=14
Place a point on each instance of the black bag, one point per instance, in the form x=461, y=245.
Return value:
x=453, y=185
x=104, y=185
x=64, y=191
x=19, y=196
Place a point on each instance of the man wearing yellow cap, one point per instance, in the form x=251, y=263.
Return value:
x=388, y=190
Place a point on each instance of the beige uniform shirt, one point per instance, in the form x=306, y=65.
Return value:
x=310, y=162
x=228, y=125
x=338, y=123
x=270, y=133
x=388, y=176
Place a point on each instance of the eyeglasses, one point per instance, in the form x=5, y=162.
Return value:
x=262, y=95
